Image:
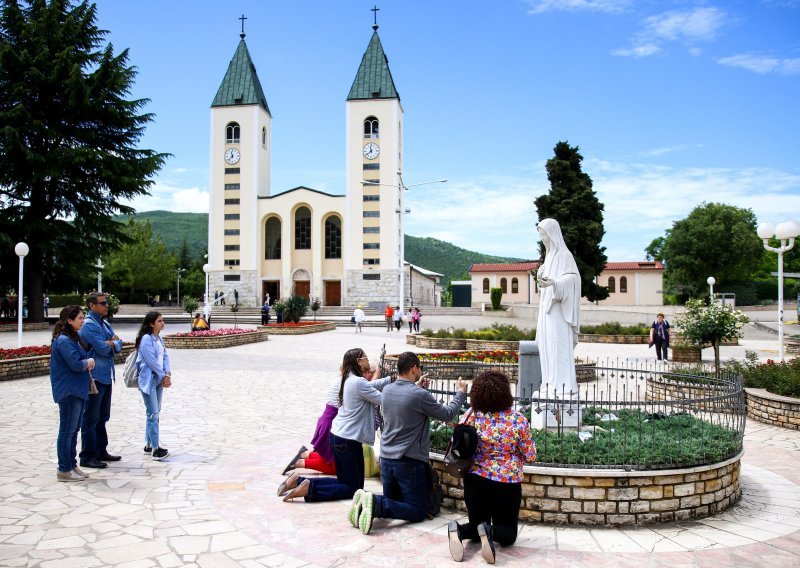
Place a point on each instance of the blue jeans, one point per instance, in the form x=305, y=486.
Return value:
x=94, y=438
x=405, y=490
x=70, y=414
x=152, y=408
x=349, y=458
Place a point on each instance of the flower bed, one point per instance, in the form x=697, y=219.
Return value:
x=215, y=338
x=473, y=356
x=30, y=351
x=23, y=367
x=300, y=328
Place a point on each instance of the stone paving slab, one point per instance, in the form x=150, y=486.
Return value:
x=233, y=419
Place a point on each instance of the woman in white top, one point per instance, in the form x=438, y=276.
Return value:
x=354, y=425
x=154, y=376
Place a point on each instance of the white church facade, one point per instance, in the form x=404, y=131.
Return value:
x=343, y=249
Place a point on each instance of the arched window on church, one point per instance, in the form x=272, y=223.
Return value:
x=272, y=239
x=514, y=286
x=264, y=137
x=504, y=285
x=302, y=228
x=485, y=285
x=612, y=285
x=371, y=127
x=623, y=284
x=232, y=133
x=333, y=237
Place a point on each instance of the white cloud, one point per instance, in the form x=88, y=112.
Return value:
x=642, y=200
x=762, y=64
x=637, y=51
x=167, y=197
x=688, y=26
x=607, y=6
x=654, y=152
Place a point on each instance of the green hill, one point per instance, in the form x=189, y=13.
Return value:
x=433, y=254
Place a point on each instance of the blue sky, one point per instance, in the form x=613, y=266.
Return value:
x=672, y=103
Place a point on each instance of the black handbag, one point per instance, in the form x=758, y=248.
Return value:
x=461, y=448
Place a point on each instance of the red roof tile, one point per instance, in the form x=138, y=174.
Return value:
x=509, y=267
x=640, y=265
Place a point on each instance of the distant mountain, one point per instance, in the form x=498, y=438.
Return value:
x=174, y=227
x=446, y=258
x=432, y=254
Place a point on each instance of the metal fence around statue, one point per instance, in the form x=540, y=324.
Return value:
x=628, y=416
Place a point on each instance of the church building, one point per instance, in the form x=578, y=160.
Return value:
x=343, y=249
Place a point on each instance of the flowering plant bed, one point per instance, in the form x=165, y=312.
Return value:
x=299, y=328
x=473, y=356
x=214, y=332
x=30, y=351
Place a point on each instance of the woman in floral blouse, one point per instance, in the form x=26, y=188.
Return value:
x=493, y=485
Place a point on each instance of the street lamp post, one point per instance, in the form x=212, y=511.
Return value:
x=206, y=308
x=180, y=270
x=99, y=266
x=711, y=281
x=21, y=251
x=786, y=233
x=400, y=210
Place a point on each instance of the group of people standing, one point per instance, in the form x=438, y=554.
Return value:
x=394, y=318
x=492, y=488
x=81, y=377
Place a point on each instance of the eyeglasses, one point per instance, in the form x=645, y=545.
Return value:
x=101, y=303
x=362, y=358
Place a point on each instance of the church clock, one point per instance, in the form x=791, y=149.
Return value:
x=371, y=151
x=232, y=156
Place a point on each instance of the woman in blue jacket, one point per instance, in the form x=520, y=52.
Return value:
x=154, y=376
x=69, y=378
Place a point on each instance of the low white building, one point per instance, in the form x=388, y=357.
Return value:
x=639, y=283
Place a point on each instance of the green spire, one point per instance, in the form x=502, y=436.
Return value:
x=373, y=80
x=241, y=85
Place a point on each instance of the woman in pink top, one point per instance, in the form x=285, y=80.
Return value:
x=492, y=487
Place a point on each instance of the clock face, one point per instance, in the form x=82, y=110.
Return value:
x=371, y=151
x=232, y=155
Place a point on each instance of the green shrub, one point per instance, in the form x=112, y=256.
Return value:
x=616, y=328
x=776, y=377
x=295, y=309
x=496, y=294
x=497, y=332
x=64, y=300
x=189, y=304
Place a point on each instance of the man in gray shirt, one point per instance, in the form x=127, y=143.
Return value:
x=405, y=444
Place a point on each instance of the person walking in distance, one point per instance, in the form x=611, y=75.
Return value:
x=104, y=343
x=659, y=335
x=388, y=312
x=358, y=318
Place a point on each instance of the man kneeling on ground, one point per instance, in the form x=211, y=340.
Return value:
x=405, y=444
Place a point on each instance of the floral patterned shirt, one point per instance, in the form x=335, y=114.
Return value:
x=504, y=445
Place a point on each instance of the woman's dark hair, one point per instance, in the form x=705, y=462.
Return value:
x=350, y=365
x=63, y=327
x=147, y=326
x=491, y=392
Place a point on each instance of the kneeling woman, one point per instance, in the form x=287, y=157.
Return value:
x=493, y=485
x=154, y=376
x=354, y=425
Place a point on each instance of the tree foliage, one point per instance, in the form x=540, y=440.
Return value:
x=68, y=140
x=574, y=204
x=713, y=240
x=143, y=262
x=496, y=297
x=702, y=324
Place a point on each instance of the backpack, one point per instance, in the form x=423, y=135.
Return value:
x=130, y=372
x=435, y=493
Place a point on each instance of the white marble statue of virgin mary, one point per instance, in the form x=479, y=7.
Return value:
x=559, y=312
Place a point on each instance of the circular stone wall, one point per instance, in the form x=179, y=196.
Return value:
x=615, y=497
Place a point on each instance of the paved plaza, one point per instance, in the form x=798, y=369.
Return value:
x=234, y=418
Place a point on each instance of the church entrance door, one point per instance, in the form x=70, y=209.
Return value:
x=271, y=287
x=302, y=288
x=333, y=293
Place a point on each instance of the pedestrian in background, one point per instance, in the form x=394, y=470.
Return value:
x=397, y=318
x=659, y=335
x=388, y=312
x=358, y=318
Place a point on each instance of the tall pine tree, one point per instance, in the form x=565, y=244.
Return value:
x=68, y=141
x=574, y=204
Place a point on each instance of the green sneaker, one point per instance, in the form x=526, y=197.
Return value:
x=365, y=518
x=355, y=507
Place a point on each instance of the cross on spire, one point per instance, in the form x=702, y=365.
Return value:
x=375, y=11
x=243, y=18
